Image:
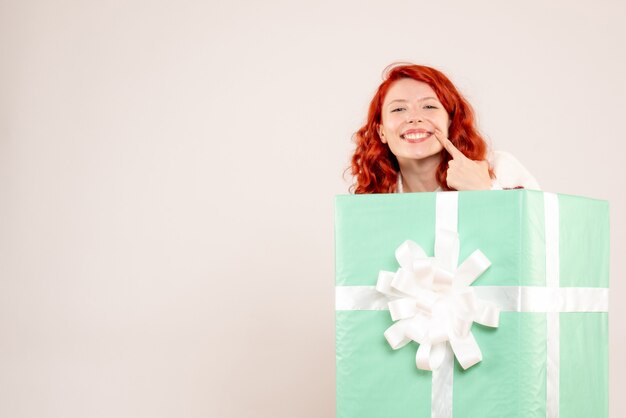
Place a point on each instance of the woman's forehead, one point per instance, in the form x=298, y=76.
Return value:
x=408, y=89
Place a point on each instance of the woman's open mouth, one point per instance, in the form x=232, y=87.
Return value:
x=415, y=137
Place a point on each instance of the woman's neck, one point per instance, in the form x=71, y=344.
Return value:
x=420, y=175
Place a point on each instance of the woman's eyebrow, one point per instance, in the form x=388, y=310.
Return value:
x=419, y=100
x=398, y=100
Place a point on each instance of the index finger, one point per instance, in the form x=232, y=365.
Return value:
x=448, y=145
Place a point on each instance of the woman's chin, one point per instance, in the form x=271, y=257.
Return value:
x=421, y=155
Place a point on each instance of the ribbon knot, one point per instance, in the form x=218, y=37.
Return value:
x=431, y=300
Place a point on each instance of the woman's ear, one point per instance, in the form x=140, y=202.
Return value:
x=381, y=134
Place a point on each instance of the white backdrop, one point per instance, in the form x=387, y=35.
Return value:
x=167, y=173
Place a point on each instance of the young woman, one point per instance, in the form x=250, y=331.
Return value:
x=420, y=137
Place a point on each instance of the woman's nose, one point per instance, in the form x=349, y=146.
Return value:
x=414, y=117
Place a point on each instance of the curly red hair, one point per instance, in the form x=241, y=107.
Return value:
x=374, y=166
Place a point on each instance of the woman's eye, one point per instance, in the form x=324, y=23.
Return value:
x=397, y=109
x=430, y=107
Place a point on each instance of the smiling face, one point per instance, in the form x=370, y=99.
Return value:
x=410, y=113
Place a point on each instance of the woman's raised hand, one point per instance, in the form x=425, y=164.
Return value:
x=463, y=173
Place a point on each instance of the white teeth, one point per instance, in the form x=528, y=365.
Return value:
x=416, y=136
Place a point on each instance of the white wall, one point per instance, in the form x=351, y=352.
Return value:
x=167, y=173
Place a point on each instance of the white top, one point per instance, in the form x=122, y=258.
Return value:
x=509, y=172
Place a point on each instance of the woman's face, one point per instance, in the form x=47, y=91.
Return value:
x=411, y=112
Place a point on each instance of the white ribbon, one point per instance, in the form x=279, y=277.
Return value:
x=433, y=303
x=553, y=267
x=508, y=298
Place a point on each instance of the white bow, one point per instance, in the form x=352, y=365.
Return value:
x=432, y=301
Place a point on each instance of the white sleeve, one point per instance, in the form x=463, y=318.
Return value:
x=510, y=173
